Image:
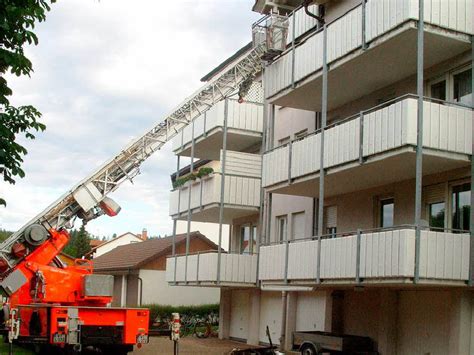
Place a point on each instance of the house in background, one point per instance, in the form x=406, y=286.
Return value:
x=139, y=272
x=124, y=239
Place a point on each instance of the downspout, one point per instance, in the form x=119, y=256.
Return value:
x=140, y=294
x=306, y=3
x=284, y=302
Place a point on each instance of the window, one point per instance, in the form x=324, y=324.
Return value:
x=297, y=225
x=301, y=133
x=248, y=239
x=284, y=141
x=386, y=213
x=438, y=90
x=330, y=220
x=462, y=88
x=436, y=214
x=461, y=206
x=281, y=228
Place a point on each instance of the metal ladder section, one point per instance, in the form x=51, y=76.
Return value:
x=126, y=165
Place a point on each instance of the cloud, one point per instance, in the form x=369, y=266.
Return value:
x=104, y=73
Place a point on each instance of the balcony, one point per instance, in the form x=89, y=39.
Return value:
x=385, y=256
x=241, y=191
x=374, y=148
x=244, y=130
x=390, y=41
x=236, y=269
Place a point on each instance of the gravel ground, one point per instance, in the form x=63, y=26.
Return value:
x=189, y=345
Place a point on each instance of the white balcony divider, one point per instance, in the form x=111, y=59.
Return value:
x=244, y=164
x=446, y=128
x=247, y=116
x=383, y=255
x=345, y=34
x=235, y=268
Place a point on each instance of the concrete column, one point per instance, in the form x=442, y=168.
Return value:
x=388, y=320
x=123, y=296
x=290, y=325
x=460, y=322
x=224, y=313
x=328, y=312
x=254, y=317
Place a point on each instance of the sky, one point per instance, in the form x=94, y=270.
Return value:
x=104, y=72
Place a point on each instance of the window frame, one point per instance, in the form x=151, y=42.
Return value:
x=381, y=203
x=448, y=77
x=450, y=210
x=282, y=238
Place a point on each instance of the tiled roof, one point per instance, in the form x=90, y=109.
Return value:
x=132, y=256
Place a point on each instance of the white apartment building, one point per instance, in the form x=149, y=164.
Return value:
x=346, y=182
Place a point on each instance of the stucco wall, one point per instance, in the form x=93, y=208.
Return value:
x=157, y=290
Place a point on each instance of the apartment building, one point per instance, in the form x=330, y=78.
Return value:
x=359, y=222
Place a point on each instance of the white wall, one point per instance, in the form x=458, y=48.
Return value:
x=157, y=290
x=125, y=239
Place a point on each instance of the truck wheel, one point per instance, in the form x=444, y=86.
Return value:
x=309, y=349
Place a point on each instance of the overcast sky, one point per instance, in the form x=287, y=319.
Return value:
x=105, y=71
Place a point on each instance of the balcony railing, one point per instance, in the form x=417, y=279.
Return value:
x=447, y=127
x=246, y=117
x=241, y=188
x=345, y=34
x=236, y=269
x=368, y=256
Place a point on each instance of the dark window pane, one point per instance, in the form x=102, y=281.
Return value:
x=438, y=90
x=462, y=90
x=461, y=206
x=437, y=215
x=386, y=213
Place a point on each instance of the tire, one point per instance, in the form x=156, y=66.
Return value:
x=309, y=349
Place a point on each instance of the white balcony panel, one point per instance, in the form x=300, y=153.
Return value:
x=338, y=258
x=272, y=262
x=444, y=256
x=446, y=128
x=245, y=164
x=235, y=268
x=275, y=166
x=345, y=34
x=302, y=260
x=387, y=254
x=247, y=116
x=303, y=23
x=239, y=191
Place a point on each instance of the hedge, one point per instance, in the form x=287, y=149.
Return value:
x=164, y=311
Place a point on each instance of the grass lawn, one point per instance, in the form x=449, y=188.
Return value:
x=5, y=348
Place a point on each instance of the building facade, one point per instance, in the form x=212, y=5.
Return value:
x=359, y=220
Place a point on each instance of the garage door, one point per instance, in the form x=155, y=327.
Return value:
x=239, y=315
x=310, y=311
x=270, y=314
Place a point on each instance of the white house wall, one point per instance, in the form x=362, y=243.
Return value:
x=156, y=290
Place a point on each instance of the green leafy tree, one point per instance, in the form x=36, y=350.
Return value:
x=79, y=243
x=17, y=22
x=4, y=234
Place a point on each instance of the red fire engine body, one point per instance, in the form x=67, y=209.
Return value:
x=65, y=308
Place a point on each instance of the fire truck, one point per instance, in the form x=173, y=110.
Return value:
x=66, y=309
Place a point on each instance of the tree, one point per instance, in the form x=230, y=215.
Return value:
x=17, y=21
x=4, y=234
x=79, y=243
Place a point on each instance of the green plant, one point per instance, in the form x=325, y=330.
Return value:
x=204, y=172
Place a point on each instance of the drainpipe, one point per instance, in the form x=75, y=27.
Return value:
x=140, y=294
x=306, y=3
x=284, y=301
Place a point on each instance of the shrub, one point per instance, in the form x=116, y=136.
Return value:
x=158, y=311
x=204, y=172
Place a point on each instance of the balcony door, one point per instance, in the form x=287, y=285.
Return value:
x=455, y=86
x=460, y=206
x=248, y=239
